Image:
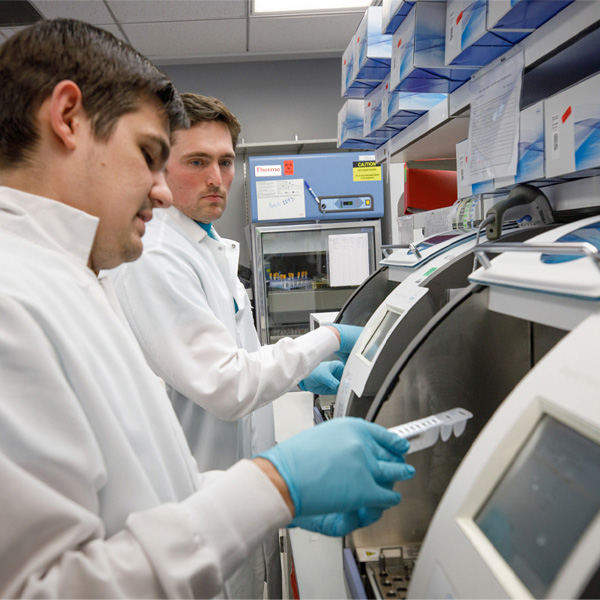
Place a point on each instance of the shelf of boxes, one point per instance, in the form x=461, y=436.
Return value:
x=549, y=42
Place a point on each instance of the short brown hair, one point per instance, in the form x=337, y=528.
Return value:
x=204, y=108
x=112, y=77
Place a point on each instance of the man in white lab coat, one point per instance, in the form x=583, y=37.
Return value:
x=193, y=319
x=100, y=496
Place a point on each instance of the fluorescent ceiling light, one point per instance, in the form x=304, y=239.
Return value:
x=301, y=6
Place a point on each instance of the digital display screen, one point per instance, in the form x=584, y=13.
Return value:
x=437, y=239
x=380, y=334
x=347, y=203
x=544, y=503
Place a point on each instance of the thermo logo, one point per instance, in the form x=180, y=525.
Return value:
x=267, y=171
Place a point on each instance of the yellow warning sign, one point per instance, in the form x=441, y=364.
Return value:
x=366, y=170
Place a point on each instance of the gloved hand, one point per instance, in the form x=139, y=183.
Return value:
x=338, y=524
x=324, y=379
x=341, y=466
x=348, y=334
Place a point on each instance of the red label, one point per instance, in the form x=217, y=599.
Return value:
x=386, y=86
x=358, y=39
x=368, y=104
x=399, y=43
x=288, y=167
x=344, y=62
x=458, y=19
x=567, y=114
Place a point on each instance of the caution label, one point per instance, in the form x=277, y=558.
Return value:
x=366, y=170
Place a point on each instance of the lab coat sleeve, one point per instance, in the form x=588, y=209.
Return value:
x=52, y=547
x=185, y=343
x=53, y=541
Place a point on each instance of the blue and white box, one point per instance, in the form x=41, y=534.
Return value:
x=348, y=67
x=372, y=49
x=400, y=109
x=350, y=133
x=350, y=87
x=373, y=118
x=418, y=53
x=394, y=12
x=376, y=107
x=530, y=160
x=572, y=129
x=522, y=14
x=468, y=40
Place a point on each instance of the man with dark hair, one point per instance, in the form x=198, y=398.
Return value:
x=110, y=88
x=193, y=319
x=100, y=496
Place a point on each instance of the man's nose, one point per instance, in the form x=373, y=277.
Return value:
x=160, y=194
x=214, y=176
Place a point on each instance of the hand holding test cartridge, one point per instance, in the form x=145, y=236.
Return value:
x=340, y=474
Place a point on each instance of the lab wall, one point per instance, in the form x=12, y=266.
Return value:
x=274, y=101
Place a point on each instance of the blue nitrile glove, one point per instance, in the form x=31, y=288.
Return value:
x=338, y=524
x=341, y=466
x=324, y=379
x=348, y=334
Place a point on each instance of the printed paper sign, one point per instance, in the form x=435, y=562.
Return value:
x=494, y=121
x=348, y=259
x=280, y=199
x=366, y=170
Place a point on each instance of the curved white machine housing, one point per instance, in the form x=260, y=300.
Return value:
x=521, y=516
x=567, y=288
x=395, y=308
x=576, y=278
x=404, y=261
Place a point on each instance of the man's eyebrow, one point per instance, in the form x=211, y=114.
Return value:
x=200, y=154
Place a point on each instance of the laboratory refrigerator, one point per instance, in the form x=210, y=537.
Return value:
x=305, y=268
x=315, y=234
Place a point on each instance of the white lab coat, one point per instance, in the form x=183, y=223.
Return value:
x=95, y=469
x=179, y=300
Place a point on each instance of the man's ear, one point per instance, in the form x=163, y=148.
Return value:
x=66, y=112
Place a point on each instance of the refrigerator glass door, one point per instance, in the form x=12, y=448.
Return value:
x=306, y=269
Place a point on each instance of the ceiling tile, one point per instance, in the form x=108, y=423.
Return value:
x=90, y=11
x=153, y=11
x=188, y=39
x=114, y=30
x=302, y=34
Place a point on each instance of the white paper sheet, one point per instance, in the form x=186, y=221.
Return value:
x=282, y=199
x=348, y=259
x=494, y=121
